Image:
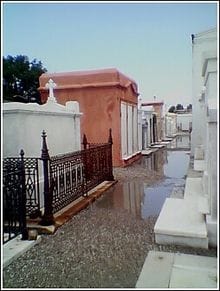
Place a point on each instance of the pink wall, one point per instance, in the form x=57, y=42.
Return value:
x=100, y=106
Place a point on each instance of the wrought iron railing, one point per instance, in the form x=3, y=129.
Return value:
x=65, y=178
x=98, y=164
x=14, y=198
x=31, y=172
x=74, y=174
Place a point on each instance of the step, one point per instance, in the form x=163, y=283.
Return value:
x=156, y=263
x=194, y=192
x=203, y=205
x=199, y=165
x=193, y=271
x=193, y=187
x=180, y=223
x=177, y=271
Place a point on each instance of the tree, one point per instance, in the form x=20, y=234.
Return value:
x=179, y=107
x=172, y=109
x=189, y=108
x=21, y=79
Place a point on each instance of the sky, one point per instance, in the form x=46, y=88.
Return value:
x=149, y=42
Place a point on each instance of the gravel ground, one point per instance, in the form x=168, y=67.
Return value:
x=97, y=248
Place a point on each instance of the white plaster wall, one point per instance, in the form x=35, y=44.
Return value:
x=184, y=121
x=203, y=42
x=130, y=130
x=124, y=147
x=170, y=124
x=147, y=115
x=135, y=129
x=212, y=169
x=211, y=86
x=23, y=125
x=210, y=101
x=139, y=130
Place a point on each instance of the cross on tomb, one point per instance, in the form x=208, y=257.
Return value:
x=51, y=85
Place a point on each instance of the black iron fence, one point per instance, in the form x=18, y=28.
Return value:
x=14, y=198
x=74, y=174
x=65, y=178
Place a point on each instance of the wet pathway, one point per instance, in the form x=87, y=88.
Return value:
x=104, y=245
x=166, y=171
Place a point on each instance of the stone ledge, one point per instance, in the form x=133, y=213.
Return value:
x=156, y=263
x=174, y=270
x=199, y=165
x=16, y=247
x=180, y=223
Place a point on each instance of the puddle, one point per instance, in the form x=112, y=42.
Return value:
x=143, y=199
x=180, y=142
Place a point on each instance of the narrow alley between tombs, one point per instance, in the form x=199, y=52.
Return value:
x=105, y=245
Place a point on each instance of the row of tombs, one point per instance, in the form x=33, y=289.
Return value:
x=92, y=102
x=83, y=103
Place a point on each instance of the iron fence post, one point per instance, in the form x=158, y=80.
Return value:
x=84, y=142
x=85, y=168
x=23, y=198
x=47, y=218
x=110, y=141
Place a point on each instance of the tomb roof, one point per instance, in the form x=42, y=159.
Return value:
x=152, y=103
x=89, y=78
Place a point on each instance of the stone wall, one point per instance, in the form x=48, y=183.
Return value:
x=23, y=125
x=184, y=121
x=202, y=43
x=205, y=125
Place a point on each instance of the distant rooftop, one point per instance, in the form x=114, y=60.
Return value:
x=152, y=103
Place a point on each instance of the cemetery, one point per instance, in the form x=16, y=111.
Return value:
x=115, y=107
x=57, y=176
x=59, y=157
x=195, y=223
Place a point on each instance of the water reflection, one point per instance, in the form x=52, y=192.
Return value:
x=126, y=195
x=180, y=142
x=155, y=161
x=174, y=170
x=141, y=199
x=176, y=165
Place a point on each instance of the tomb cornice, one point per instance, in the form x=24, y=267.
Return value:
x=46, y=109
x=89, y=85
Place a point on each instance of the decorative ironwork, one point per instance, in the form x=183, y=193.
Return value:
x=48, y=190
x=66, y=178
x=75, y=174
x=97, y=165
x=31, y=172
x=14, y=198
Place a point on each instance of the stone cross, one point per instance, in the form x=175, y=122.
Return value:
x=51, y=85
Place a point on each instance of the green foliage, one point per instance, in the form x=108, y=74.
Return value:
x=172, y=109
x=179, y=107
x=189, y=107
x=21, y=79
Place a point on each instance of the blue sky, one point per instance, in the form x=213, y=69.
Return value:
x=147, y=41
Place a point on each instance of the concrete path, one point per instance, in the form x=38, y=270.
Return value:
x=16, y=247
x=176, y=270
